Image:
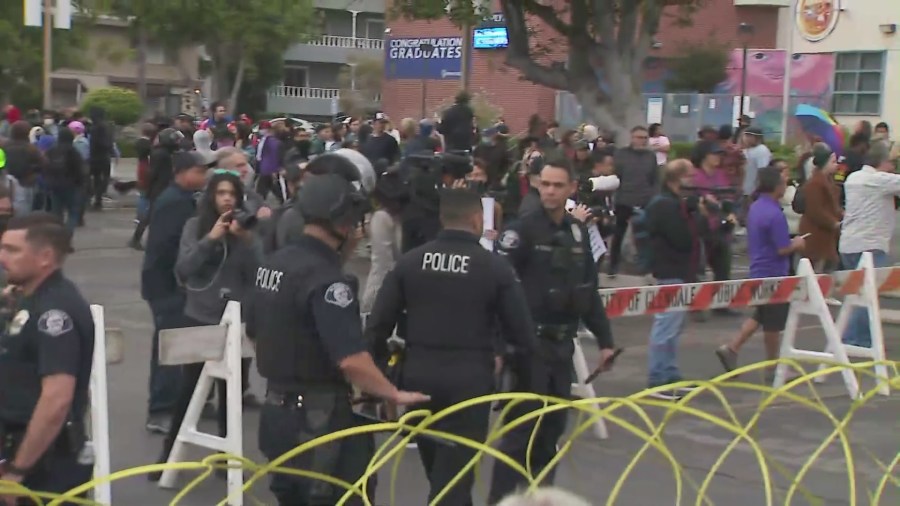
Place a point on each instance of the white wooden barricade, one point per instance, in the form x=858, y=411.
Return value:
x=585, y=391
x=865, y=297
x=221, y=347
x=108, y=349
x=814, y=305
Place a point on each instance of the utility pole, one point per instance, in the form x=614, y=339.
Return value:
x=466, y=60
x=48, y=52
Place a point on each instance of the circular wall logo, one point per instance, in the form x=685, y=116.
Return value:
x=816, y=19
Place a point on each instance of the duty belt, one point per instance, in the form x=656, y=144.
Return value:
x=556, y=332
x=296, y=398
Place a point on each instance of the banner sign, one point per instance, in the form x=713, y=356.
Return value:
x=423, y=58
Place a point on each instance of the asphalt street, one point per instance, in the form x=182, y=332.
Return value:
x=788, y=434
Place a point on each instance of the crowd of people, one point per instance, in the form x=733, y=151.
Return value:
x=266, y=215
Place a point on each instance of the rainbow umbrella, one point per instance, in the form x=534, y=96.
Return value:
x=818, y=122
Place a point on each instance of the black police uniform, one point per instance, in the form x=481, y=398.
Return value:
x=453, y=291
x=51, y=332
x=558, y=273
x=305, y=320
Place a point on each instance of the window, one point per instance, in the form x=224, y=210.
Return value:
x=156, y=55
x=374, y=28
x=858, y=82
x=295, y=75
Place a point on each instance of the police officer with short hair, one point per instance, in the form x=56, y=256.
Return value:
x=453, y=291
x=46, y=353
x=304, y=318
x=550, y=250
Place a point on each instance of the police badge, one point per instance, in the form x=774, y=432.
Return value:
x=18, y=321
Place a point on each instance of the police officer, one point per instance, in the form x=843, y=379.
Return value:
x=305, y=320
x=453, y=291
x=46, y=352
x=551, y=253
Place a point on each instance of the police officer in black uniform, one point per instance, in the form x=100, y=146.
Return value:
x=550, y=250
x=453, y=291
x=46, y=353
x=305, y=321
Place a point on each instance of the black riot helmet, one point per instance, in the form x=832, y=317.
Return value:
x=332, y=196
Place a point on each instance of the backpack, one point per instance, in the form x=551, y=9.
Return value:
x=57, y=169
x=798, y=204
x=642, y=235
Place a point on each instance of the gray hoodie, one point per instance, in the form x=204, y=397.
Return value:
x=214, y=272
x=637, y=171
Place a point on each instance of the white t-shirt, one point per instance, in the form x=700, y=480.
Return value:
x=660, y=142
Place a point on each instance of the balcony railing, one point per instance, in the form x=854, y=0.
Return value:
x=314, y=93
x=302, y=92
x=348, y=42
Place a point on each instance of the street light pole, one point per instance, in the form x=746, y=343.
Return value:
x=48, y=53
x=788, y=71
x=427, y=51
x=745, y=32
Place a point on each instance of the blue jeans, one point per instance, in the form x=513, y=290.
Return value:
x=143, y=206
x=66, y=204
x=165, y=380
x=857, y=332
x=664, y=337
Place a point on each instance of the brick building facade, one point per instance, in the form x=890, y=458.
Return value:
x=517, y=99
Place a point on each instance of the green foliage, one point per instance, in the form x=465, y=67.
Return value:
x=486, y=113
x=783, y=151
x=122, y=106
x=21, y=55
x=699, y=67
x=359, y=100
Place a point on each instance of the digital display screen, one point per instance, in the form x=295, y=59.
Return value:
x=490, y=38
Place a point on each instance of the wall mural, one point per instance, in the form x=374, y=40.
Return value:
x=811, y=81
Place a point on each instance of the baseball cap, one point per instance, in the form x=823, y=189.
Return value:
x=186, y=160
x=754, y=131
x=708, y=129
x=502, y=129
x=184, y=117
x=380, y=116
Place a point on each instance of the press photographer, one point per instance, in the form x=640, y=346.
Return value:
x=676, y=226
x=596, y=191
x=425, y=175
x=217, y=260
x=709, y=179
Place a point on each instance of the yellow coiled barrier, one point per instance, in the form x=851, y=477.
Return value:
x=589, y=410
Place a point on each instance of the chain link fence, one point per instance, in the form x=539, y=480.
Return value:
x=684, y=114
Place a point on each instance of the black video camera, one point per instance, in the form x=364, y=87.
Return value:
x=245, y=215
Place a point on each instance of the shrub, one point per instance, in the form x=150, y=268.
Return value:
x=122, y=106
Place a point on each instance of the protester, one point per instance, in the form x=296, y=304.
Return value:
x=868, y=226
x=379, y=145
x=822, y=213
x=64, y=177
x=637, y=171
x=23, y=165
x=659, y=143
x=159, y=283
x=385, y=233
x=769, y=247
x=101, y=155
x=457, y=124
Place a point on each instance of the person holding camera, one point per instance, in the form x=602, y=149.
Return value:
x=675, y=226
x=217, y=260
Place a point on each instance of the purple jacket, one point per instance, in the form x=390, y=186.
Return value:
x=705, y=181
x=270, y=157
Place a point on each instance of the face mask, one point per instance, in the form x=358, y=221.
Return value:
x=48, y=121
x=304, y=144
x=247, y=179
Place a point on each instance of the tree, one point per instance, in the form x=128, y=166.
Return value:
x=21, y=55
x=612, y=36
x=236, y=34
x=360, y=84
x=699, y=67
x=122, y=106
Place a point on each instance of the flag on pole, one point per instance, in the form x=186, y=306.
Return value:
x=34, y=12
x=62, y=17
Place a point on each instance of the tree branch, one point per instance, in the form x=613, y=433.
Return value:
x=518, y=53
x=547, y=14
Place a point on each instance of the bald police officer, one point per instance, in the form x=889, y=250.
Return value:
x=551, y=253
x=46, y=352
x=453, y=291
x=306, y=324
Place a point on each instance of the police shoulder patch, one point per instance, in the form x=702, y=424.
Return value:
x=339, y=294
x=55, y=322
x=509, y=240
